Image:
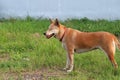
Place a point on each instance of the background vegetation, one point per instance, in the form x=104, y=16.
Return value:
x=23, y=48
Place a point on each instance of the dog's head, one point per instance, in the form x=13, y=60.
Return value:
x=53, y=29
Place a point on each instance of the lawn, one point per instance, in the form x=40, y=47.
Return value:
x=25, y=53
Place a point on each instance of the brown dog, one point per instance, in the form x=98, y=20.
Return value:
x=77, y=41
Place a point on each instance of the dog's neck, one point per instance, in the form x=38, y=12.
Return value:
x=61, y=38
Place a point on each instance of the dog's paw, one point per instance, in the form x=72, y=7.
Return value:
x=64, y=69
x=69, y=70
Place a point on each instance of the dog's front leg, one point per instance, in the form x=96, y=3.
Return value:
x=71, y=61
x=67, y=62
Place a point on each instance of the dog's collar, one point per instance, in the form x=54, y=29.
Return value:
x=63, y=34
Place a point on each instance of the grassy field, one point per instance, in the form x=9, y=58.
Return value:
x=26, y=54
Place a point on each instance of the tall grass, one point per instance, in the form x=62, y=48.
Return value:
x=24, y=48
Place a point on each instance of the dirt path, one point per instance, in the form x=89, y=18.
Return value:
x=43, y=74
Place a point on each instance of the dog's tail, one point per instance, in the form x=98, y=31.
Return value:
x=117, y=42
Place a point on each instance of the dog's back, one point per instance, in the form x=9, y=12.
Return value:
x=88, y=40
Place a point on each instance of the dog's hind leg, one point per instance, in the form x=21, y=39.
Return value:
x=113, y=61
x=110, y=51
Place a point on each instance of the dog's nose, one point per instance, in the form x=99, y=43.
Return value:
x=44, y=33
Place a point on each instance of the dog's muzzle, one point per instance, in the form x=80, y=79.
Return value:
x=49, y=36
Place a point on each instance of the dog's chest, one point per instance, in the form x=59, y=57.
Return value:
x=64, y=45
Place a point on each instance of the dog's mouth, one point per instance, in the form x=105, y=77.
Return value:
x=49, y=36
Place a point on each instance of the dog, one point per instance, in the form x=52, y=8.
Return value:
x=77, y=41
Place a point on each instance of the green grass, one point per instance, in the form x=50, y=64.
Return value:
x=23, y=48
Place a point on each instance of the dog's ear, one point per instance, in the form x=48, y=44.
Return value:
x=57, y=22
x=50, y=20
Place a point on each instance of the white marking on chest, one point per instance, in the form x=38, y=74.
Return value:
x=64, y=46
